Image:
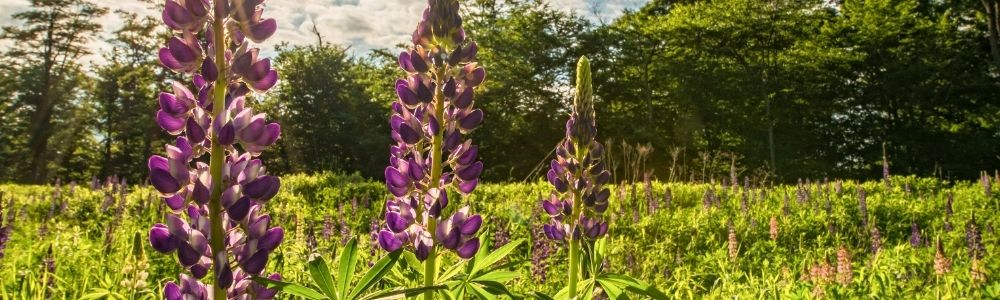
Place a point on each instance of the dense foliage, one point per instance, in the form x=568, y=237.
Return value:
x=803, y=88
x=77, y=241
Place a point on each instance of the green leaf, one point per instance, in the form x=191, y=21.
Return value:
x=375, y=274
x=496, y=256
x=348, y=261
x=634, y=285
x=452, y=271
x=496, y=288
x=482, y=294
x=498, y=276
x=321, y=276
x=612, y=288
x=400, y=293
x=290, y=288
x=542, y=296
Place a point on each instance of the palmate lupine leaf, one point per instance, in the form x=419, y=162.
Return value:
x=321, y=276
x=484, y=277
x=324, y=280
x=348, y=261
x=290, y=288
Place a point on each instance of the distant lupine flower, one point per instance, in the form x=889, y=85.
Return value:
x=885, y=167
x=977, y=273
x=630, y=263
x=434, y=110
x=5, y=224
x=828, y=206
x=942, y=264
x=831, y=227
x=327, y=227
x=578, y=171
x=708, y=200
x=838, y=187
x=987, y=184
x=863, y=207
x=501, y=235
x=947, y=224
x=667, y=198
x=732, y=175
x=541, y=249
x=311, y=242
x=786, y=208
x=227, y=194
x=974, y=239
x=734, y=246
x=821, y=273
x=801, y=193
x=844, y=271
x=774, y=228
x=654, y=204
x=948, y=205
x=374, y=226
x=49, y=271
x=744, y=201
x=915, y=238
x=876, y=240
x=906, y=189
x=345, y=232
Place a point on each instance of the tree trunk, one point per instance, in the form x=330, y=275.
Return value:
x=991, y=8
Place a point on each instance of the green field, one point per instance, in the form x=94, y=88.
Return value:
x=682, y=247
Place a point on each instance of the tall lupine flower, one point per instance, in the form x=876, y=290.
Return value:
x=885, y=167
x=434, y=109
x=948, y=212
x=942, y=264
x=5, y=224
x=844, y=270
x=876, y=240
x=653, y=204
x=667, y=198
x=915, y=238
x=987, y=184
x=974, y=239
x=773, y=228
x=734, y=245
x=576, y=207
x=863, y=207
x=217, y=221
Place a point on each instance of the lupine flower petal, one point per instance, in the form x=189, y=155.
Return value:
x=388, y=241
x=469, y=248
x=161, y=239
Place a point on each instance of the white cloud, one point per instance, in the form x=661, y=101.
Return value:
x=363, y=24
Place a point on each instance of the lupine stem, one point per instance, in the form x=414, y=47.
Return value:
x=574, y=262
x=218, y=153
x=430, y=265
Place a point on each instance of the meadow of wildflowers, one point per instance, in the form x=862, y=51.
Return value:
x=231, y=231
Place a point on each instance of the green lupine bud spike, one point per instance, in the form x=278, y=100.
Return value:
x=583, y=104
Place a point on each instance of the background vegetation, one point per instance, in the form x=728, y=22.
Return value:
x=75, y=242
x=793, y=88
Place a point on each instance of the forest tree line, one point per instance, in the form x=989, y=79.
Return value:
x=684, y=90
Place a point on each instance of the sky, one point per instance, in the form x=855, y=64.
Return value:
x=362, y=24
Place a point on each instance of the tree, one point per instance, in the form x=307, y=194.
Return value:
x=529, y=49
x=125, y=96
x=329, y=120
x=47, y=47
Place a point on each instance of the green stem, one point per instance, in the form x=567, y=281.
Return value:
x=218, y=153
x=430, y=265
x=574, y=244
x=574, y=266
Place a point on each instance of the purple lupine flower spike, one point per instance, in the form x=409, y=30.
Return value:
x=435, y=108
x=578, y=170
x=228, y=194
